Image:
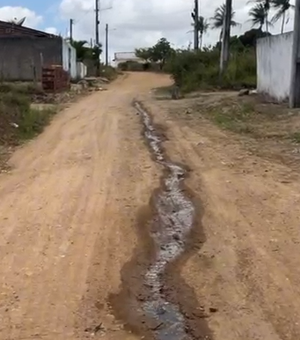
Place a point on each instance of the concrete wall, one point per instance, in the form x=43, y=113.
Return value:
x=81, y=70
x=21, y=58
x=274, y=63
x=69, y=59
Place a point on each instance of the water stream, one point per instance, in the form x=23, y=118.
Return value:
x=174, y=216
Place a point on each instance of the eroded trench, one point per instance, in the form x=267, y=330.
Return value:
x=154, y=301
x=174, y=217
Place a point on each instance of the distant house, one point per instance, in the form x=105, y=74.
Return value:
x=122, y=57
x=23, y=52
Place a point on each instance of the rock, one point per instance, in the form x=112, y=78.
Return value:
x=213, y=310
x=175, y=92
x=243, y=92
x=176, y=237
x=253, y=92
x=104, y=80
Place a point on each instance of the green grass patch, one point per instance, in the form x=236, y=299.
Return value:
x=18, y=121
x=296, y=137
x=234, y=117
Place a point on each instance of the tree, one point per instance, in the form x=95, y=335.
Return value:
x=202, y=27
x=81, y=49
x=161, y=51
x=143, y=53
x=259, y=16
x=217, y=20
x=84, y=52
x=283, y=8
x=249, y=38
x=266, y=5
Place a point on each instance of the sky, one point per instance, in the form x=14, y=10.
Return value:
x=132, y=23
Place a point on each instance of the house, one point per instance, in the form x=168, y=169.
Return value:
x=122, y=57
x=24, y=51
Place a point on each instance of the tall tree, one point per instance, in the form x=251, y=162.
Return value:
x=218, y=19
x=266, y=4
x=259, y=16
x=202, y=27
x=282, y=11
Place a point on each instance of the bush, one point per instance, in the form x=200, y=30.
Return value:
x=109, y=72
x=131, y=66
x=194, y=70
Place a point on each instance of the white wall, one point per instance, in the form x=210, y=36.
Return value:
x=81, y=70
x=69, y=59
x=274, y=63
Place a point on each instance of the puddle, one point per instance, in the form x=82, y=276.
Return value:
x=174, y=216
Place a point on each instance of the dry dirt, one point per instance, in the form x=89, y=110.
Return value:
x=73, y=206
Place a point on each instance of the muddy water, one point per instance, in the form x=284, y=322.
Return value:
x=173, y=220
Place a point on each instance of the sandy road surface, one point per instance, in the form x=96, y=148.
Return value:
x=69, y=207
x=67, y=212
x=248, y=268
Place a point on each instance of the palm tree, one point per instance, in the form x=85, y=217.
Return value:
x=202, y=28
x=84, y=52
x=283, y=8
x=219, y=17
x=266, y=4
x=259, y=16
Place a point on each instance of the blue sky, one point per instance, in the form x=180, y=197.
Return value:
x=47, y=9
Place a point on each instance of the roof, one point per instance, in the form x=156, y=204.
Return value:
x=11, y=29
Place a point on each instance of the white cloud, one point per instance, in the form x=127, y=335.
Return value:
x=139, y=23
x=51, y=30
x=11, y=13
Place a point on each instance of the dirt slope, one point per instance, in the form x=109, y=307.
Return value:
x=67, y=214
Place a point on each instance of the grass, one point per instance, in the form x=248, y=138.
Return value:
x=33, y=123
x=296, y=137
x=193, y=71
x=18, y=121
x=232, y=116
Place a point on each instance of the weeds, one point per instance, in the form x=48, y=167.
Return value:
x=296, y=137
x=233, y=116
x=192, y=71
x=18, y=121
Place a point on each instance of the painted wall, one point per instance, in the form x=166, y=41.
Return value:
x=69, y=59
x=21, y=58
x=81, y=70
x=274, y=63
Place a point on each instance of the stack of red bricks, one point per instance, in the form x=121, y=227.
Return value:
x=55, y=78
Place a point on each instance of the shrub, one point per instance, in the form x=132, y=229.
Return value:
x=109, y=72
x=193, y=70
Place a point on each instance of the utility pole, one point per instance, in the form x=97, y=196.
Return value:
x=294, y=100
x=224, y=58
x=71, y=29
x=195, y=16
x=97, y=22
x=106, y=45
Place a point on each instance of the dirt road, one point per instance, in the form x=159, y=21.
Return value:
x=74, y=216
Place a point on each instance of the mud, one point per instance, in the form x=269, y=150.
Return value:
x=156, y=305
